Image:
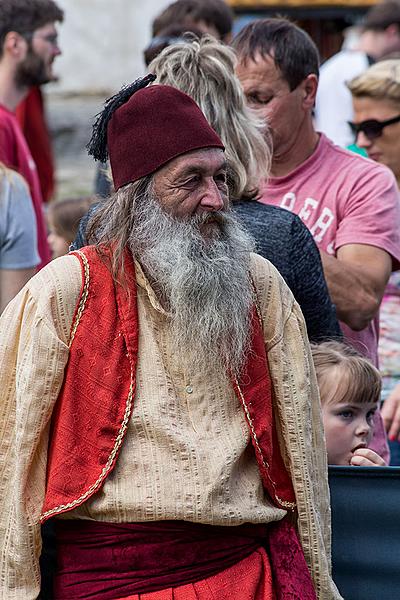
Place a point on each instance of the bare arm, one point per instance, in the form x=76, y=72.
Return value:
x=11, y=282
x=356, y=280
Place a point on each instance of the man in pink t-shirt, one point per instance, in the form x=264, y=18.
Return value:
x=350, y=204
x=28, y=47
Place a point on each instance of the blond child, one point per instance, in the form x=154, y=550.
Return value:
x=350, y=388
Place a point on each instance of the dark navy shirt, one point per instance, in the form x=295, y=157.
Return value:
x=285, y=241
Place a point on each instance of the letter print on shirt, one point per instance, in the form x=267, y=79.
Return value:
x=308, y=207
x=289, y=201
x=322, y=225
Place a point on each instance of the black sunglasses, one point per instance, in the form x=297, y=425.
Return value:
x=371, y=128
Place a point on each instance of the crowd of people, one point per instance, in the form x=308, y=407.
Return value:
x=221, y=320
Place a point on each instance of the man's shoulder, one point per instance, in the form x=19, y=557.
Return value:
x=59, y=281
x=273, y=297
x=49, y=298
x=259, y=215
x=269, y=283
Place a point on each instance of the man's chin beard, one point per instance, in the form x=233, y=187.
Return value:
x=203, y=279
x=32, y=72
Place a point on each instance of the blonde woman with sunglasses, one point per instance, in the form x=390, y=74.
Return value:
x=376, y=102
x=376, y=126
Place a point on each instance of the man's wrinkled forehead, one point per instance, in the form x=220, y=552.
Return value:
x=260, y=73
x=263, y=63
x=206, y=161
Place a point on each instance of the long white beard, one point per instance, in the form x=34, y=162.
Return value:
x=203, y=281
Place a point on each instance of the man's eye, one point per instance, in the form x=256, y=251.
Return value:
x=191, y=180
x=256, y=100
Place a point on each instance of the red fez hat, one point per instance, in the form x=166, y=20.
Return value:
x=156, y=124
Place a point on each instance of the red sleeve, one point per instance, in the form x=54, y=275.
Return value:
x=8, y=153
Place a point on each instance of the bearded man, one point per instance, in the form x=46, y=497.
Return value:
x=28, y=47
x=158, y=398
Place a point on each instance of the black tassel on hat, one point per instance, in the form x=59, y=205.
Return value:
x=97, y=146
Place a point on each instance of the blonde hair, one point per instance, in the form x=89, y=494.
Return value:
x=359, y=382
x=205, y=70
x=381, y=81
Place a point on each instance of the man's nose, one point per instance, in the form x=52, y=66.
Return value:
x=362, y=141
x=212, y=199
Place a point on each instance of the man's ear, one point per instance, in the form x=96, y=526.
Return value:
x=14, y=44
x=392, y=30
x=309, y=88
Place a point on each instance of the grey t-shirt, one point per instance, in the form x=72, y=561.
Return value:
x=18, y=233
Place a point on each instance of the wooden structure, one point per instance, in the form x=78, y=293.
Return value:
x=324, y=20
x=247, y=4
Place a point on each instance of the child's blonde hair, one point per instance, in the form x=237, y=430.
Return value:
x=358, y=381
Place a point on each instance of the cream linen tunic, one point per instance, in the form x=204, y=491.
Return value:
x=180, y=458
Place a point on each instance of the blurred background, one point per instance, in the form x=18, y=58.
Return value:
x=102, y=45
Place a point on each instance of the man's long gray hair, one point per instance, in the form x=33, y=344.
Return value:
x=203, y=283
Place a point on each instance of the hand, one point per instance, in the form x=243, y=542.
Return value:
x=365, y=457
x=390, y=412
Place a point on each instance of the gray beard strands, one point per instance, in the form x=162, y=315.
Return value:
x=204, y=283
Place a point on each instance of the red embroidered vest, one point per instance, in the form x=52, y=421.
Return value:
x=96, y=400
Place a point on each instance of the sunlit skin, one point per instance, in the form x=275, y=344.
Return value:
x=288, y=113
x=386, y=148
x=193, y=184
x=348, y=428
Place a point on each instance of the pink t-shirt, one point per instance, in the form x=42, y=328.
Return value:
x=14, y=152
x=343, y=198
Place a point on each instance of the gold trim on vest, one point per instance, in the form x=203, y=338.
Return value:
x=127, y=413
x=83, y=298
x=106, y=469
x=283, y=503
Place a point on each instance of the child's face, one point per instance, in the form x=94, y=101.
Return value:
x=347, y=427
x=58, y=245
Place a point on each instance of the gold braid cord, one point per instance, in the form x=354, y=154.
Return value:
x=128, y=409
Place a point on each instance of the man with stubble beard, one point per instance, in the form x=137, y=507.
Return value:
x=28, y=47
x=158, y=395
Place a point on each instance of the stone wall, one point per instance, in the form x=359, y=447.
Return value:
x=102, y=43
